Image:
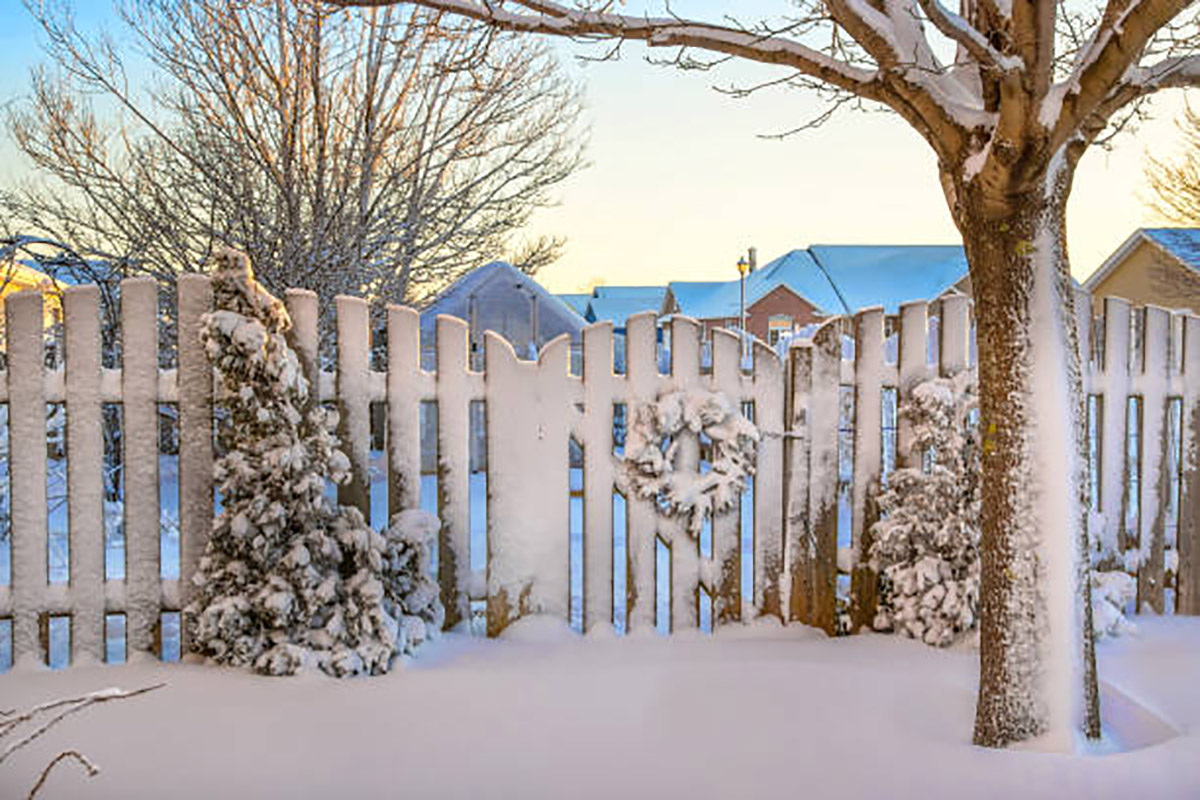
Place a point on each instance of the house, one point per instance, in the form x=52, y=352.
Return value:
x=803, y=287
x=16, y=276
x=1155, y=266
x=498, y=297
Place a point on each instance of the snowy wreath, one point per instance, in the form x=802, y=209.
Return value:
x=652, y=446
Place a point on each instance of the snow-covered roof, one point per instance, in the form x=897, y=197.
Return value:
x=652, y=293
x=837, y=279
x=502, y=297
x=617, y=309
x=1181, y=243
x=890, y=275
x=578, y=302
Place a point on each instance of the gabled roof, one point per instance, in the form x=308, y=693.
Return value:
x=889, y=275
x=502, y=287
x=703, y=299
x=577, y=302
x=1181, y=243
x=836, y=279
x=617, y=309
x=654, y=293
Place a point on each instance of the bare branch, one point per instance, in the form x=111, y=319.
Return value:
x=84, y=761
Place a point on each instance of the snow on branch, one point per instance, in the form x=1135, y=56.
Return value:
x=1121, y=39
x=47, y=715
x=556, y=19
x=1179, y=72
x=961, y=32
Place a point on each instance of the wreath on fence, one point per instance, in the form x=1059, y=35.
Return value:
x=655, y=433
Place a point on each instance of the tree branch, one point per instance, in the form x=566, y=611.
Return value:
x=958, y=30
x=557, y=20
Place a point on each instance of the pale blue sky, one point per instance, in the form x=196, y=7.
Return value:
x=681, y=183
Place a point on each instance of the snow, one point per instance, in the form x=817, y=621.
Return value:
x=1056, y=513
x=766, y=711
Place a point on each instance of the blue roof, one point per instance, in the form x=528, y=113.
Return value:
x=890, y=275
x=617, y=309
x=704, y=299
x=577, y=302
x=836, y=279
x=1183, y=243
x=653, y=293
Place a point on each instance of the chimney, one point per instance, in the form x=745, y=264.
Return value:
x=753, y=259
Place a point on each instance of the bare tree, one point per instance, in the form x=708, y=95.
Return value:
x=379, y=152
x=1176, y=182
x=1030, y=86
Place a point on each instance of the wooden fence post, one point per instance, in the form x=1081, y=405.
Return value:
x=868, y=423
x=196, y=490
x=27, y=472
x=85, y=471
x=143, y=582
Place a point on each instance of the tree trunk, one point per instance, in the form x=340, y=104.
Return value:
x=1035, y=615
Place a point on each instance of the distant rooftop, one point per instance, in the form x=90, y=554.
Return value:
x=1183, y=243
x=837, y=279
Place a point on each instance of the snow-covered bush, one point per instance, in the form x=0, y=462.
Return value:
x=289, y=580
x=1112, y=592
x=926, y=543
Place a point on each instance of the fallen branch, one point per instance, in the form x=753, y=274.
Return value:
x=63, y=708
x=92, y=769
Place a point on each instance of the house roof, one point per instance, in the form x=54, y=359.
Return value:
x=617, y=309
x=1181, y=243
x=577, y=302
x=837, y=279
x=889, y=275
x=502, y=282
x=655, y=293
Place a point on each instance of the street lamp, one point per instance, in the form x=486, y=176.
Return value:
x=742, y=266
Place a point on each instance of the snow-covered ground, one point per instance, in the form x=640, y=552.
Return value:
x=749, y=713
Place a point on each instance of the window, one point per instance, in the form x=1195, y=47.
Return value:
x=777, y=326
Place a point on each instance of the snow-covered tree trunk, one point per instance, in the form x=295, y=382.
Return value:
x=1035, y=637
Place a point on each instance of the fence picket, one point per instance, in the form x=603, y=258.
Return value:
x=1151, y=539
x=1188, y=536
x=641, y=381
x=1114, y=393
x=868, y=417
x=727, y=529
x=27, y=474
x=454, y=459
x=404, y=395
x=823, y=471
x=768, y=492
x=139, y=389
x=195, y=434
x=685, y=550
x=596, y=431
x=85, y=471
x=354, y=401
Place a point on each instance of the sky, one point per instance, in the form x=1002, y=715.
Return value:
x=683, y=179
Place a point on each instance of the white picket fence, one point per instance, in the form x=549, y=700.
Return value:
x=533, y=411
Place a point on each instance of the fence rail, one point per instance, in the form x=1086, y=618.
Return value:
x=828, y=413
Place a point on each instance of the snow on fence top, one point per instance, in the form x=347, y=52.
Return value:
x=827, y=423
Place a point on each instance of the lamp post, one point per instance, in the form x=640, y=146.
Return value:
x=742, y=265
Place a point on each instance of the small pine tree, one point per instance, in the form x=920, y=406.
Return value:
x=289, y=580
x=926, y=542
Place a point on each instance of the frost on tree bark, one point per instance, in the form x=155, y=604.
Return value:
x=288, y=580
x=1031, y=402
